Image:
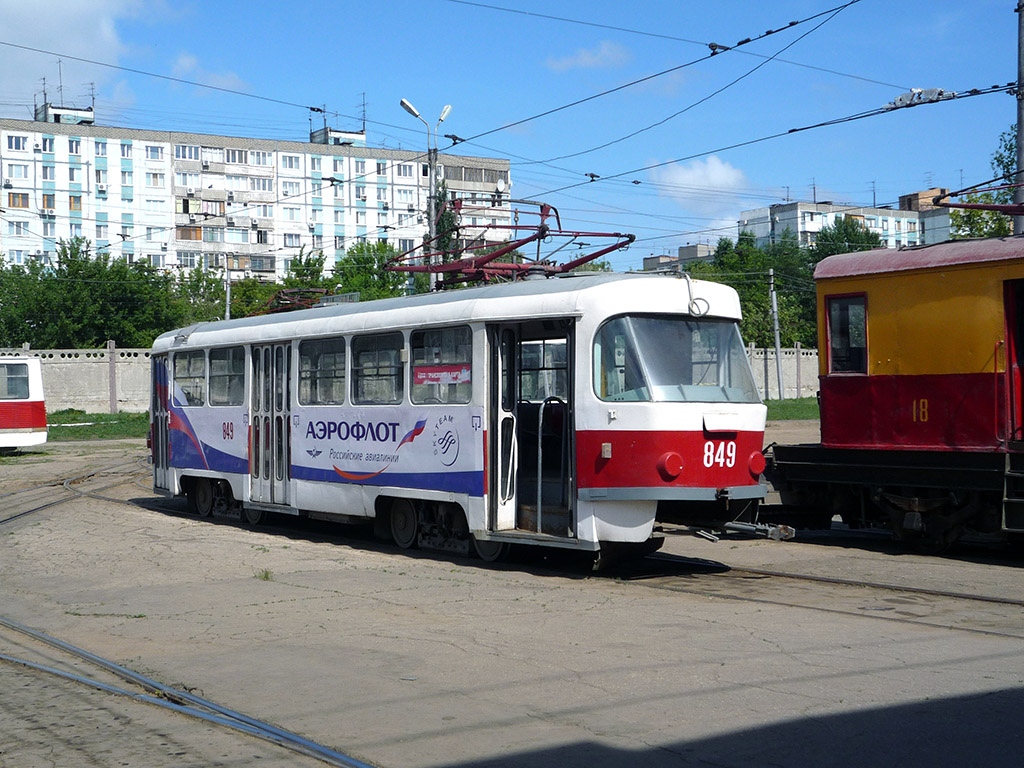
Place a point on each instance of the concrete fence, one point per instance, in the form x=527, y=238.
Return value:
x=111, y=379
x=93, y=380
x=799, y=372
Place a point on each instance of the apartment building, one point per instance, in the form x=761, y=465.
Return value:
x=916, y=222
x=248, y=205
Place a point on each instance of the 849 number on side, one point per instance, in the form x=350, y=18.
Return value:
x=721, y=454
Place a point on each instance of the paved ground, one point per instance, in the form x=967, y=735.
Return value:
x=408, y=659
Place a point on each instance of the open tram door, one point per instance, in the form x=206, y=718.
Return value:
x=269, y=427
x=531, y=437
x=1014, y=418
x=159, y=427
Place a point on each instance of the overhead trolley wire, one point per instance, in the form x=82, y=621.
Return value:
x=715, y=48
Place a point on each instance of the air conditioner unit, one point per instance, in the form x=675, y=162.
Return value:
x=231, y=222
x=385, y=206
x=206, y=164
x=231, y=195
x=191, y=191
x=101, y=187
x=163, y=246
x=7, y=182
x=38, y=147
x=192, y=217
x=253, y=223
x=312, y=225
x=411, y=208
x=49, y=212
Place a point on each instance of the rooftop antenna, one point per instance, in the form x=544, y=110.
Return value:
x=364, y=113
x=60, y=83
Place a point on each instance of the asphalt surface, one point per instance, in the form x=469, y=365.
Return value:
x=416, y=659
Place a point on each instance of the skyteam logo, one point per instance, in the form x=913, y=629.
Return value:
x=446, y=440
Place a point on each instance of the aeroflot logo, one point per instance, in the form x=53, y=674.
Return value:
x=378, y=432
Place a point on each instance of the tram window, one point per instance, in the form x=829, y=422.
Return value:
x=672, y=359
x=280, y=372
x=322, y=372
x=227, y=376
x=190, y=377
x=377, y=370
x=254, y=382
x=442, y=365
x=847, y=334
x=13, y=381
x=543, y=370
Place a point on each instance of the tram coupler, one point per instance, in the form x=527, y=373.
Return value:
x=773, y=532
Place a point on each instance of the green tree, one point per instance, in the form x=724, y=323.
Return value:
x=307, y=271
x=846, y=235
x=363, y=270
x=201, y=295
x=447, y=224
x=251, y=295
x=82, y=301
x=965, y=222
x=745, y=266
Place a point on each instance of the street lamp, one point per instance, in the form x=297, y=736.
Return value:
x=432, y=165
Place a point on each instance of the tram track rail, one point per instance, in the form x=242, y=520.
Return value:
x=152, y=692
x=907, y=604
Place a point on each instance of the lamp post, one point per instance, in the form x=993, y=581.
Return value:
x=432, y=166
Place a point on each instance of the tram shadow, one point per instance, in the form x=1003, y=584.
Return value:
x=541, y=561
x=977, y=729
x=881, y=541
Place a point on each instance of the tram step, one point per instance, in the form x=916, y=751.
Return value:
x=1013, y=514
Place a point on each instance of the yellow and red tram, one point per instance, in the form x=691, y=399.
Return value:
x=921, y=353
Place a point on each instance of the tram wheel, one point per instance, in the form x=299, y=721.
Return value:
x=202, y=496
x=490, y=551
x=404, y=523
x=253, y=517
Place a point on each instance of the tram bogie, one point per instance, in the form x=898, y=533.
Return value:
x=557, y=412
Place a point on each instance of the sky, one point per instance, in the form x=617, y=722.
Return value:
x=677, y=139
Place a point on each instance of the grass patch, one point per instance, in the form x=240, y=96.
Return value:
x=265, y=575
x=72, y=424
x=785, y=410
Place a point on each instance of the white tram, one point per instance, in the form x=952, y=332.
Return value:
x=569, y=412
x=22, y=406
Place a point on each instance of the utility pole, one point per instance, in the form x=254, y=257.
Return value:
x=227, y=291
x=1018, y=191
x=775, y=325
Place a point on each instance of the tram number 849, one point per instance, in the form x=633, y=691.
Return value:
x=721, y=454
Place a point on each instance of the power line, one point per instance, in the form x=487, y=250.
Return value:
x=837, y=121
x=715, y=48
x=711, y=95
x=645, y=33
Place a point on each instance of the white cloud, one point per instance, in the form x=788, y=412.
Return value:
x=187, y=67
x=82, y=28
x=709, y=188
x=606, y=56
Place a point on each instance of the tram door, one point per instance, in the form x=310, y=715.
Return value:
x=160, y=435
x=531, y=428
x=270, y=430
x=1014, y=305
x=504, y=397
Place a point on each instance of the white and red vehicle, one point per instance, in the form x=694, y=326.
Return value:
x=22, y=407
x=570, y=411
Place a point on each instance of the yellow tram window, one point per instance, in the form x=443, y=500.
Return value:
x=847, y=334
